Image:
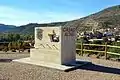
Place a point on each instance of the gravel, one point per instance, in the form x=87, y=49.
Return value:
x=99, y=70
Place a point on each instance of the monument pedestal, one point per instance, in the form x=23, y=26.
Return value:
x=45, y=55
x=66, y=67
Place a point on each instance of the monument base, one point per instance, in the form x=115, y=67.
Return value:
x=66, y=67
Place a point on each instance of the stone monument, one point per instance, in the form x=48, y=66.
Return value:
x=54, y=47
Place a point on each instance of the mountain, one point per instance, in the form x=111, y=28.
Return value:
x=109, y=17
x=29, y=28
x=5, y=28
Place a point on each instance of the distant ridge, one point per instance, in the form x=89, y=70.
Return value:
x=29, y=28
x=5, y=28
x=109, y=17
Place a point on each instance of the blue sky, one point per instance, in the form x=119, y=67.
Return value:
x=20, y=12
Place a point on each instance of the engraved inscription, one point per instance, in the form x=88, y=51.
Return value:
x=69, y=31
x=39, y=34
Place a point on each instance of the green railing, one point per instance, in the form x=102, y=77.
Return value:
x=105, y=51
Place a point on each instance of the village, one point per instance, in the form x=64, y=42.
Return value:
x=109, y=34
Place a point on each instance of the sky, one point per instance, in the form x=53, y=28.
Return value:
x=21, y=12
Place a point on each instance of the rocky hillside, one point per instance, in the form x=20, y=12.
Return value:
x=109, y=17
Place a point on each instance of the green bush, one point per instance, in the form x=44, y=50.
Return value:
x=114, y=50
x=96, y=42
x=116, y=43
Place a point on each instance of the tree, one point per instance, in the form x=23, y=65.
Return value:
x=16, y=37
x=10, y=46
x=14, y=45
x=10, y=37
x=5, y=49
x=19, y=45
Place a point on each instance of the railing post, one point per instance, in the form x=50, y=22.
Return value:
x=82, y=48
x=106, y=50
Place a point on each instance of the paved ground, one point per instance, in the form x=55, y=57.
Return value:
x=99, y=70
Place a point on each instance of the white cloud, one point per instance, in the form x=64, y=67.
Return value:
x=15, y=16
